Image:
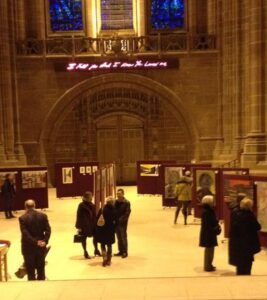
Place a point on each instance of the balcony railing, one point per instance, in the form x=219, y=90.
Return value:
x=160, y=44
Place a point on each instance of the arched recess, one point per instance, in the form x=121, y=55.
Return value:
x=149, y=92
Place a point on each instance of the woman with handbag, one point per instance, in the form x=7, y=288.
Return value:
x=86, y=222
x=210, y=228
x=105, y=230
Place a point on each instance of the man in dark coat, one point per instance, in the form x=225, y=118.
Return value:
x=35, y=231
x=208, y=233
x=123, y=210
x=8, y=192
x=245, y=235
x=234, y=207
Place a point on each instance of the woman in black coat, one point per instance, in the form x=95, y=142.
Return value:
x=245, y=229
x=105, y=230
x=210, y=228
x=8, y=191
x=86, y=221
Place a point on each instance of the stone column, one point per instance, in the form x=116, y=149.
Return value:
x=6, y=82
x=192, y=16
x=20, y=19
x=212, y=16
x=255, y=144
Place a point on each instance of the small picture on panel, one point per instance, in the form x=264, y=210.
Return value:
x=67, y=176
x=232, y=187
x=206, y=184
x=82, y=170
x=34, y=179
x=149, y=170
x=3, y=178
x=172, y=176
x=262, y=204
x=94, y=168
x=89, y=170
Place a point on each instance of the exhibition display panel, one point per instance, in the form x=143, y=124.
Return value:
x=73, y=179
x=30, y=183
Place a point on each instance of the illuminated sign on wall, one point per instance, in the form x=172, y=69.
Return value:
x=122, y=65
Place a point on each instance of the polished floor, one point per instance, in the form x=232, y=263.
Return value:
x=159, y=251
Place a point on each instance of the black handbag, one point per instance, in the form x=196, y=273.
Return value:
x=218, y=229
x=77, y=238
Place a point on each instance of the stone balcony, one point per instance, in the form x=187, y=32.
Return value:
x=158, y=45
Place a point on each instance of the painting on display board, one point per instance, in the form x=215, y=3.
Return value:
x=67, y=176
x=89, y=170
x=232, y=187
x=94, y=169
x=82, y=170
x=205, y=184
x=172, y=176
x=34, y=179
x=3, y=177
x=149, y=170
x=261, y=188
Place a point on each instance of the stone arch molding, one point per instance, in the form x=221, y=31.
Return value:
x=69, y=99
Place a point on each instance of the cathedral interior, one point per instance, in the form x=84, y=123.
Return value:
x=128, y=80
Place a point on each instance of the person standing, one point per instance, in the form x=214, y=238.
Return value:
x=105, y=230
x=210, y=228
x=123, y=210
x=245, y=235
x=86, y=222
x=184, y=196
x=8, y=192
x=35, y=231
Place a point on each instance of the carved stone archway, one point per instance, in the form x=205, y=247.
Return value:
x=127, y=93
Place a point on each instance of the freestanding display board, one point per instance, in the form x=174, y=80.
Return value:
x=148, y=177
x=73, y=179
x=30, y=183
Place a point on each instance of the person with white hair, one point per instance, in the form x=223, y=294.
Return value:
x=210, y=228
x=245, y=235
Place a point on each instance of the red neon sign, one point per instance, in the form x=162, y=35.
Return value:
x=118, y=65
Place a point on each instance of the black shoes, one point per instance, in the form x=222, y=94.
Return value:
x=118, y=254
x=124, y=255
x=211, y=269
x=97, y=253
x=86, y=255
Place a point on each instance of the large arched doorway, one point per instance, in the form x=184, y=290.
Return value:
x=126, y=111
x=120, y=139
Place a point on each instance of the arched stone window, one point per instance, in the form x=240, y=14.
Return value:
x=65, y=16
x=167, y=14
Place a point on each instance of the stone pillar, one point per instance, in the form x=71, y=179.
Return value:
x=212, y=16
x=35, y=19
x=192, y=16
x=20, y=19
x=255, y=144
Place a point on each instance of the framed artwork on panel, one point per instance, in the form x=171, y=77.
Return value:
x=233, y=186
x=149, y=170
x=172, y=176
x=89, y=170
x=82, y=170
x=34, y=179
x=205, y=184
x=67, y=176
x=261, y=191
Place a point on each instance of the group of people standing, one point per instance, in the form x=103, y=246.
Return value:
x=102, y=226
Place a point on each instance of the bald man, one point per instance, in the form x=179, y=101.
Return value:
x=35, y=234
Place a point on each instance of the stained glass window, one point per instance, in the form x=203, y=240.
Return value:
x=116, y=14
x=66, y=15
x=167, y=14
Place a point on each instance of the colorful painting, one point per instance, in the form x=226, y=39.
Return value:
x=34, y=179
x=261, y=188
x=67, y=176
x=234, y=186
x=172, y=176
x=149, y=170
x=205, y=184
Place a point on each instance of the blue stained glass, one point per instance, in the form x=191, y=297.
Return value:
x=167, y=14
x=66, y=15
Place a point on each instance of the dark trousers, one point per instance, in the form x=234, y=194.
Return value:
x=35, y=263
x=84, y=244
x=208, y=258
x=106, y=250
x=8, y=206
x=184, y=205
x=244, y=267
x=121, y=233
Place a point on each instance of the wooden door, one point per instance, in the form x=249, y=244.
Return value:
x=120, y=139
